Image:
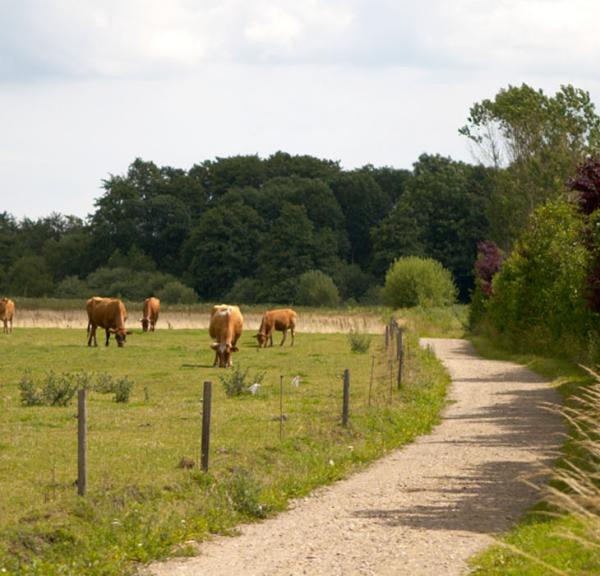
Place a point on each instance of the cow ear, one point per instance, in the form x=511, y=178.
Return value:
x=214, y=346
x=129, y=332
x=112, y=330
x=257, y=336
x=235, y=349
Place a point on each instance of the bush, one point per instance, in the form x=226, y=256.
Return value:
x=237, y=382
x=72, y=287
x=539, y=293
x=413, y=281
x=359, y=342
x=57, y=390
x=244, y=291
x=175, y=292
x=245, y=491
x=30, y=276
x=120, y=387
x=128, y=283
x=315, y=288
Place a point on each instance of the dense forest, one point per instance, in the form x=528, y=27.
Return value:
x=246, y=228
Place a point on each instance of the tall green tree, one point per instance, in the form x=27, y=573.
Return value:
x=535, y=142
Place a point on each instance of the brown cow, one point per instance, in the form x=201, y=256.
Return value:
x=151, y=310
x=282, y=319
x=110, y=314
x=226, y=324
x=7, y=311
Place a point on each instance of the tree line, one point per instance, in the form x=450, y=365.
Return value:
x=247, y=229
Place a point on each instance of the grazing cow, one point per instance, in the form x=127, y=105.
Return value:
x=226, y=324
x=282, y=319
x=7, y=311
x=151, y=310
x=110, y=314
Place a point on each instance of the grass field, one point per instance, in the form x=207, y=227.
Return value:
x=140, y=505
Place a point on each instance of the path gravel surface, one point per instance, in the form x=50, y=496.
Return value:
x=423, y=509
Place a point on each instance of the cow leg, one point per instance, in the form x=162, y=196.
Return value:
x=91, y=335
x=293, y=331
x=283, y=339
x=107, y=336
x=216, y=359
x=271, y=338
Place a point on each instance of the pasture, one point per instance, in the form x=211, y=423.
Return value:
x=140, y=504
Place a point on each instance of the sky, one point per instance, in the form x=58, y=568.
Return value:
x=87, y=86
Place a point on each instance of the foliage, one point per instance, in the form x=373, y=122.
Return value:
x=315, y=288
x=55, y=390
x=535, y=142
x=245, y=492
x=441, y=215
x=30, y=276
x=538, y=295
x=175, y=292
x=487, y=265
x=587, y=184
x=359, y=342
x=72, y=287
x=127, y=283
x=120, y=387
x=414, y=281
x=237, y=381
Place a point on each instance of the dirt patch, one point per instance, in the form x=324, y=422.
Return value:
x=308, y=323
x=422, y=510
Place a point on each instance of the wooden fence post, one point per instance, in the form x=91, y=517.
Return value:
x=346, y=398
x=206, y=409
x=81, y=441
x=371, y=380
x=387, y=336
x=281, y=407
x=400, y=357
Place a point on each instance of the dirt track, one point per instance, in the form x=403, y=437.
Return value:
x=422, y=510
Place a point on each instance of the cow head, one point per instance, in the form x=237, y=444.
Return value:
x=224, y=350
x=145, y=323
x=120, y=337
x=261, y=337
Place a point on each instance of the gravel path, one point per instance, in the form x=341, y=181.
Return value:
x=423, y=509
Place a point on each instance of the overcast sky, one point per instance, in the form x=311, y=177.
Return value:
x=86, y=86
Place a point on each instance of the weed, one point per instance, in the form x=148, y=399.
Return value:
x=245, y=491
x=57, y=390
x=236, y=382
x=120, y=387
x=359, y=342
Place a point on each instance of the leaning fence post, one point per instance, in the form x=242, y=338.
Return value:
x=81, y=441
x=346, y=397
x=206, y=409
x=387, y=336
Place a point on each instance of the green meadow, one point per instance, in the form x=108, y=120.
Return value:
x=141, y=505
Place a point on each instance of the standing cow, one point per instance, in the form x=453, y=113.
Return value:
x=281, y=319
x=110, y=314
x=151, y=311
x=226, y=324
x=7, y=311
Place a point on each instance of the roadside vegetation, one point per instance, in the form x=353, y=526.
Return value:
x=147, y=498
x=540, y=305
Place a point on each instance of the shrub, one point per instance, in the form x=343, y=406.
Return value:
x=315, y=288
x=72, y=287
x=120, y=387
x=236, y=381
x=175, y=292
x=56, y=390
x=245, y=491
x=539, y=294
x=413, y=281
x=244, y=291
x=359, y=342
